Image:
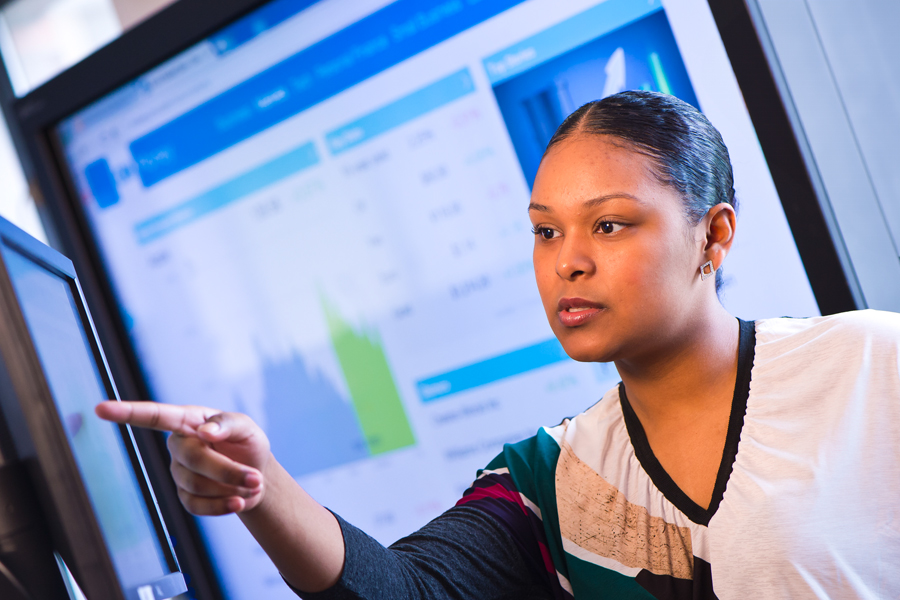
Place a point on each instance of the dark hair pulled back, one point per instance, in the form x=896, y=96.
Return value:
x=688, y=152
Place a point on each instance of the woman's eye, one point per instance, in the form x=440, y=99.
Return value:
x=609, y=227
x=545, y=232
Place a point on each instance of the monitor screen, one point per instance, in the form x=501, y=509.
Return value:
x=74, y=377
x=318, y=216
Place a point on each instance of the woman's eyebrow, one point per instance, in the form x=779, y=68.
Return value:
x=594, y=202
x=539, y=207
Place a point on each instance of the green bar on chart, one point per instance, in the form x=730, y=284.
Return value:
x=371, y=384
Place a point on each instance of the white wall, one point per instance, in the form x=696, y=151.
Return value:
x=16, y=204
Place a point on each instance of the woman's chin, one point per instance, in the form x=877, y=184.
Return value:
x=586, y=350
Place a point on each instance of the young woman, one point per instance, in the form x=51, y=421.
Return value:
x=734, y=460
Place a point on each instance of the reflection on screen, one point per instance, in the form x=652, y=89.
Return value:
x=67, y=359
x=320, y=218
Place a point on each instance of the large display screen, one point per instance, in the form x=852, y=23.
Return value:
x=318, y=216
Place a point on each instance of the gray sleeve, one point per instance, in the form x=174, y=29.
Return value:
x=463, y=554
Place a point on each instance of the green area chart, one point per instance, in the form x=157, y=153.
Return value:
x=373, y=392
x=311, y=422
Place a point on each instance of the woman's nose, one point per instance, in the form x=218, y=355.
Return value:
x=574, y=259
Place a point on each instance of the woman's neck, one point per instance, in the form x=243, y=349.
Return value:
x=691, y=375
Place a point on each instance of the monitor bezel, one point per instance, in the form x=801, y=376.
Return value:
x=187, y=22
x=71, y=519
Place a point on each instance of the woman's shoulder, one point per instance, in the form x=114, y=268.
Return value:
x=833, y=351
x=853, y=327
x=540, y=452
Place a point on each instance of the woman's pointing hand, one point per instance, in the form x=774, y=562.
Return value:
x=218, y=458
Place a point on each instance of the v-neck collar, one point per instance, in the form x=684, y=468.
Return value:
x=659, y=476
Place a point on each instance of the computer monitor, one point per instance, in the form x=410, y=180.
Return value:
x=316, y=214
x=87, y=473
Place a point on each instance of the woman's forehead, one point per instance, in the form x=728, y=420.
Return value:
x=590, y=166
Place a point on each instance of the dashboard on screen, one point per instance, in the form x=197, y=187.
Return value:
x=318, y=216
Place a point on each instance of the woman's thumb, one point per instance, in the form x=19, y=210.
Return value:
x=216, y=428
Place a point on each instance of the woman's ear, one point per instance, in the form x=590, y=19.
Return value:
x=720, y=222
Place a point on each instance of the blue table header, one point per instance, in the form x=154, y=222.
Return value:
x=568, y=35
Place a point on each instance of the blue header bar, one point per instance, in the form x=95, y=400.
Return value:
x=222, y=195
x=400, y=111
x=369, y=46
x=568, y=35
x=492, y=369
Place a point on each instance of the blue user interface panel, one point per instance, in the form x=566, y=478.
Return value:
x=67, y=358
x=318, y=216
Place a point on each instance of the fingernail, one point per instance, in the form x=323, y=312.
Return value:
x=252, y=480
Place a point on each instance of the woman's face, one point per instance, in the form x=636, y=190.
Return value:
x=617, y=263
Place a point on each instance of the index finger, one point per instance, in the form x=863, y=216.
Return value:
x=154, y=415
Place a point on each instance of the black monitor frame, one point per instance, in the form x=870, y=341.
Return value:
x=40, y=440
x=187, y=22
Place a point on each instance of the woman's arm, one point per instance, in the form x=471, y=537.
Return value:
x=464, y=554
x=221, y=464
x=302, y=537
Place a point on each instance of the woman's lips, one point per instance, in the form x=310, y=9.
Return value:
x=577, y=311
